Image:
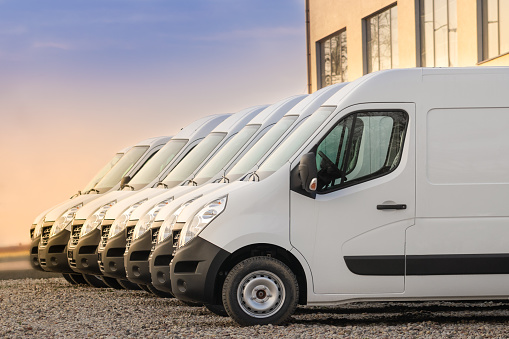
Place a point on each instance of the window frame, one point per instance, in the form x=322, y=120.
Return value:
x=319, y=44
x=422, y=31
x=484, y=49
x=366, y=178
x=365, y=34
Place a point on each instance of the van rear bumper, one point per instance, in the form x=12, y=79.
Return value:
x=194, y=269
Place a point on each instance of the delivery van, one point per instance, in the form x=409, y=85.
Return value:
x=167, y=225
x=138, y=251
x=171, y=152
x=113, y=238
x=53, y=228
x=35, y=235
x=395, y=189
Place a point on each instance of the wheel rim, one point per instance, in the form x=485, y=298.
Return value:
x=261, y=294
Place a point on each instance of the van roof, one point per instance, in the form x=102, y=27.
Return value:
x=238, y=120
x=277, y=110
x=455, y=86
x=202, y=126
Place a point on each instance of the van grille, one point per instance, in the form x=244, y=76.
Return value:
x=155, y=233
x=129, y=237
x=105, y=230
x=75, y=234
x=176, y=236
x=45, y=235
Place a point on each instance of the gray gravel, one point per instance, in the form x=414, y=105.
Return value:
x=54, y=308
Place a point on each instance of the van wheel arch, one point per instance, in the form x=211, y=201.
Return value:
x=254, y=250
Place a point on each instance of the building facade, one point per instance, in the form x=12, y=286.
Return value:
x=349, y=38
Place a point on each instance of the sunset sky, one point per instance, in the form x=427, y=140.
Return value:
x=81, y=79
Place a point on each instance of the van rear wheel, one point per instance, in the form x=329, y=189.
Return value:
x=260, y=291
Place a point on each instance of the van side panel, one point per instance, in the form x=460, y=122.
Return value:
x=462, y=185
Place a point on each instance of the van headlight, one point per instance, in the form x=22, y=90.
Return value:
x=167, y=226
x=38, y=228
x=120, y=223
x=144, y=224
x=201, y=219
x=95, y=219
x=64, y=221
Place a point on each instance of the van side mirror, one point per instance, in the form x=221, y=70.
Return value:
x=125, y=180
x=308, y=172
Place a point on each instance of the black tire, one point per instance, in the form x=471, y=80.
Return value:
x=68, y=278
x=78, y=279
x=161, y=294
x=126, y=284
x=260, y=291
x=217, y=310
x=144, y=287
x=112, y=282
x=94, y=281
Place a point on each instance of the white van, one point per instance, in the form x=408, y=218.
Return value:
x=395, y=189
x=35, y=235
x=60, y=216
x=138, y=249
x=168, y=153
x=113, y=238
x=167, y=225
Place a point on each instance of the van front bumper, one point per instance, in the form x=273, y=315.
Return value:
x=82, y=258
x=53, y=254
x=159, y=262
x=111, y=257
x=194, y=269
x=136, y=258
x=34, y=254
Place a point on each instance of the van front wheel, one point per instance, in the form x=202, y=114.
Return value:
x=260, y=291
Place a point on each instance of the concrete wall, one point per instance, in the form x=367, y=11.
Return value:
x=329, y=16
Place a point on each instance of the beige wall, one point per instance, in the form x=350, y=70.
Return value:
x=329, y=16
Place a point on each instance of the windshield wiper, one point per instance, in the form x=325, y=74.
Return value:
x=160, y=183
x=190, y=181
x=254, y=176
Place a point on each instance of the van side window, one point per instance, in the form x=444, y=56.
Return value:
x=362, y=146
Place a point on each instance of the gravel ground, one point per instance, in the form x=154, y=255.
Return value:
x=54, y=308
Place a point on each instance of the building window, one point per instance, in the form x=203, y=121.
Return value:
x=382, y=40
x=439, y=41
x=333, y=62
x=495, y=28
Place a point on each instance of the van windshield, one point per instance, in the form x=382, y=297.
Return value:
x=223, y=157
x=102, y=172
x=260, y=148
x=287, y=149
x=191, y=162
x=121, y=168
x=158, y=163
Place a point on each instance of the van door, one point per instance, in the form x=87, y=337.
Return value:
x=458, y=245
x=353, y=233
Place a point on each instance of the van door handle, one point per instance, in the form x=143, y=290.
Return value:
x=391, y=207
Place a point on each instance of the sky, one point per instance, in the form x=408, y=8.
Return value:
x=82, y=79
